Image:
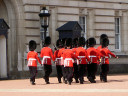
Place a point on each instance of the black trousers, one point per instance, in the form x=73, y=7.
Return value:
x=69, y=73
x=104, y=70
x=63, y=71
x=76, y=72
x=92, y=69
x=48, y=71
x=33, y=72
x=82, y=70
x=59, y=72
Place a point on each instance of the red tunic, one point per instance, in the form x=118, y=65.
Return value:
x=93, y=54
x=57, y=59
x=47, y=55
x=99, y=48
x=32, y=58
x=74, y=51
x=60, y=55
x=81, y=53
x=68, y=57
x=105, y=58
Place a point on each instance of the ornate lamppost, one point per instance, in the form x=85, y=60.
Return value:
x=44, y=19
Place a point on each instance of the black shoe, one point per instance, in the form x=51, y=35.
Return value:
x=60, y=82
x=77, y=81
x=101, y=79
x=81, y=83
x=65, y=81
x=47, y=82
x=33, y=83
x=92, y=81
x=104, y=80
x=69, y=83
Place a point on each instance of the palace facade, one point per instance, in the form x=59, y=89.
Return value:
x=95, y=17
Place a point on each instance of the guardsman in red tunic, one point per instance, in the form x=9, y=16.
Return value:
x=32, y=58
x=101, y=39
x=60, y=55
x=68, y=57
x=75, y=66
x=58, y=61
x=93, y=54
x=47, y=56
x=102, y=36
x=81, y=53
x=105, y=59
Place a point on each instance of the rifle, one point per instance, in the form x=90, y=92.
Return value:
x=54, y=47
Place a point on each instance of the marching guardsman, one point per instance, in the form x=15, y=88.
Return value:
x=93, y=54
x=75, y=66
x=60, y=55
x=102, y=36
x=105, y=59
x=68, y=57
x=101, y=39
x=81, y=53
x=58, y=61
x=32, y=58
x=47, y=56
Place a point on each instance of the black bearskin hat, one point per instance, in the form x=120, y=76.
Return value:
x=59, y=43
x=75, y=42
x=47, y=41
x=92, y=42
x=81, y=41
x=102, y=36
x=32, y=45
x=63, y=42
x=69, y=42
x=105, y=42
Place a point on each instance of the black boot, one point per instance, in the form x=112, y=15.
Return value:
x=105, y=79
x=77, y=81
x=92, y=80
x=65, y=81
x=59, y=80
x=101, y=78
x=69, y=82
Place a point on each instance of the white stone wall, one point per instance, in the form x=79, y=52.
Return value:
x=100, y=14
x=100, y=19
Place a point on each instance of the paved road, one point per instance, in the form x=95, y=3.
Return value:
x=117, y=85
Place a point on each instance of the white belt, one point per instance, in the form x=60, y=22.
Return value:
x=103, y=59
x=31, y=59
x=58, y=58
x=106, y=57
x=91, y=56
x=67, y=59
x=81, y=56
x=58, y=62
x=45, y=58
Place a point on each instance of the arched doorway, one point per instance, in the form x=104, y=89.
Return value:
x=8, y=14
x=3, y=43
x=3, y=57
